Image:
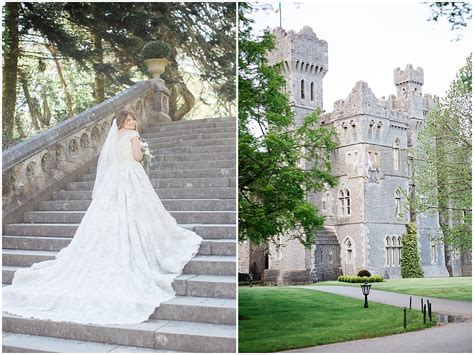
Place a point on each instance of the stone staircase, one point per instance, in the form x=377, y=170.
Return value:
x=194, y=174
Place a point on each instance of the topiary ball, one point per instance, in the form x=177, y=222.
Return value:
x=156, y=49
x=364, y=273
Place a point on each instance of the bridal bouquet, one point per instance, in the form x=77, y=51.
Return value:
x=147, y=156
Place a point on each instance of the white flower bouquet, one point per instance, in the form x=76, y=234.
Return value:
x=147, y=156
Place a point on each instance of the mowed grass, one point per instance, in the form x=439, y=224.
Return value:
x=280, y=318
x=452, y=288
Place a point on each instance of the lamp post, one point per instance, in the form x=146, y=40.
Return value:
x=365, y=291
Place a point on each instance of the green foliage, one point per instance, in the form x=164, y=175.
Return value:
x=156, y=49
x=360, y=279
x=363, y=273
x=273, y=187
x=410, y=262
x=458, y=14
x=442, y=163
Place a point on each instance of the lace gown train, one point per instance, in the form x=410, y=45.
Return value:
x=121, y=262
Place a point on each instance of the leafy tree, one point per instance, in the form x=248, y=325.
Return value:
x=273, y=185
x=105, y=39
x=458, y=14
x=410, y=262
x=443, y=162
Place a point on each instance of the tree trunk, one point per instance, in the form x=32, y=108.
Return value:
x=35, y=114
x=70, y=111
x=10, y=66
x=99, y=92
x=46, y=111
x=189, y=101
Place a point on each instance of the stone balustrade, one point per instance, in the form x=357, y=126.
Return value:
x=54, y=157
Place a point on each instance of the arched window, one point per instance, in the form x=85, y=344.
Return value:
x=434, y=254
x=399, y=247
x=387, y=251
x=398, y=202
x=348, y=202
x=394, y=252
x=345, y=202
x=312, y=91
x=302, y=89
x=396, y=154
x=348, y=245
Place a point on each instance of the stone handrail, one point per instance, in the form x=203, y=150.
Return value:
x=33, y=166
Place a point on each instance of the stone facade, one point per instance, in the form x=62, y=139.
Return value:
x=366, y=210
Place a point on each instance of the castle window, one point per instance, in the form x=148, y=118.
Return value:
x=302, y=89
x=387, y=251
x=434, y=256
x=345, y=202
x=396, y=154
x=398, y=202
x=349, y=254
x=312, y=91
x=395, y=262
x=399, y=250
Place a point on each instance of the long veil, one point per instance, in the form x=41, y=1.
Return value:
x=108, y=157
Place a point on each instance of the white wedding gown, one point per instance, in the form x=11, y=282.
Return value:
x=121, y=262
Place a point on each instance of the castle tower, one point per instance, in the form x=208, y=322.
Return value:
x=305, y=63
x=409, y=98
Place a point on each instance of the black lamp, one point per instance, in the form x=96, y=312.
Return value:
x=365, y=291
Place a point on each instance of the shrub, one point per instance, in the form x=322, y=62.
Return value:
x=358, y=279
x=377, y=278
x=364, y=273
x=339, y=278
x=410, y=262
x=364, y=279
x=156, y=49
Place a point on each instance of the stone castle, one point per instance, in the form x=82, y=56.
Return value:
x=365, y=213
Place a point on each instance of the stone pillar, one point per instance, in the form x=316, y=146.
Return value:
x=161, y=101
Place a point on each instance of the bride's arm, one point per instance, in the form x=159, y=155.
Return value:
x=137, y=152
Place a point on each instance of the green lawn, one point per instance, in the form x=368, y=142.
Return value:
x=279, y=318
x=453, y=288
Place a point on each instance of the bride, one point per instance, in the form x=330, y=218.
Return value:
x=124, y=255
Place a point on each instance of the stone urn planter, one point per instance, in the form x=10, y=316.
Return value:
x=156, y=66
x=154, y=56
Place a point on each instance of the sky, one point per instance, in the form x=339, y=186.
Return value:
x=368, y=40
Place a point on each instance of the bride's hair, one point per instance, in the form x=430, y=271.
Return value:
x=121, y=117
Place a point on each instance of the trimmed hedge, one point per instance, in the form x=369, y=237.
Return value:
x=358, y=279
x=410, y=263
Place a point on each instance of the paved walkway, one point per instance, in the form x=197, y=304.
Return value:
x=447, y=338
x=438, y=305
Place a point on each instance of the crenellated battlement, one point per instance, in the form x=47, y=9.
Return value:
x=408, y=75
x=300, y=51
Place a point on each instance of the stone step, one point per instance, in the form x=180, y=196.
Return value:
x=169, y=204
x=150, y=138
x=158, y=334
x=192, y=143
x=187, y=157
x=187, y=183
x=209, y=231
x=178, y=165
x=173, y=174
x=211, y=265
x=174, y=193
x=211, y=217
x=208, y=246
x=191, y=125
x=183, y=133
x=194, y=150
x=197, y=309
x=25, y=343
x=184, y=123
x=200, y=264
x=216, y=286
